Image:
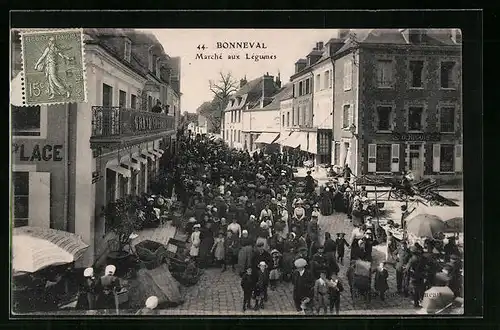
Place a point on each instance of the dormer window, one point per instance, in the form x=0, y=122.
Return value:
x=238, y=100
x=150, y=60
x=127, y=50
x=415, y=37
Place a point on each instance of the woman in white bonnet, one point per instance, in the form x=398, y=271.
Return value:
x=150, y=306
x=89, y=290
x=110, y=286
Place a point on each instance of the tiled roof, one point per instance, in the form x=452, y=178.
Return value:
x=249, y=87
x=431, y=37
x=112, y=41
x=284, y=93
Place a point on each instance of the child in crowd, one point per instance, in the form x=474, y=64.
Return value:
x=341, y=243
x=218, y=249
x=335, y=287
x=321, y=293
x=248, y=286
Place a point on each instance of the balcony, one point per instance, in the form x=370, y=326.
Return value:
x=114, y=126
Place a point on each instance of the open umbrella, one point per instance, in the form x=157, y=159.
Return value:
x=454, y=225
x=425, y=225
x=35, y=248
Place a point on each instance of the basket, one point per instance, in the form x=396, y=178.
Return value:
x=151, y=253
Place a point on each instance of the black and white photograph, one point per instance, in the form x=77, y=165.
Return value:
x=236, y=172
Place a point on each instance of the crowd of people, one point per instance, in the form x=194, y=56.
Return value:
x=249, y=214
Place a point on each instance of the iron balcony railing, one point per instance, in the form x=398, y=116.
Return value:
x=121, y=122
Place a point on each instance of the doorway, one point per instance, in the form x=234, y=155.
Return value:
x=415, y=163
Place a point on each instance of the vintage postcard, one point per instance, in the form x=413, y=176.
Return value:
x=53, y=66
x=237, y=172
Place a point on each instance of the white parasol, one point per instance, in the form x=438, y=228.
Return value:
x=35, y=248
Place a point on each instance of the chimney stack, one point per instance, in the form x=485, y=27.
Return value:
x=278, y=80
x=243, y=82
x=319, y=45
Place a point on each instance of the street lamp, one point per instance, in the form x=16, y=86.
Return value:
x=352, y=129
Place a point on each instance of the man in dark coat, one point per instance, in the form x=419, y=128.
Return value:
x=303, y=282
x=403, y=256
x=319, y=263
x=310, y=184
x=416, y=267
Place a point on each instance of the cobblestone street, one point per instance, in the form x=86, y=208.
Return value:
x=220, y=292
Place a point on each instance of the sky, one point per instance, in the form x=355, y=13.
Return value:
x=287, y=44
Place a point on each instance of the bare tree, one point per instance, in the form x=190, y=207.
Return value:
x=222, y=89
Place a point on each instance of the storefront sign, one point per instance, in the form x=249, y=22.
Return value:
x=46, y=152
x=431, y=137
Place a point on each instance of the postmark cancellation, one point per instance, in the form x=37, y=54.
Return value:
x=53, y=67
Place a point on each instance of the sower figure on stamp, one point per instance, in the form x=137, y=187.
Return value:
x=48, y=62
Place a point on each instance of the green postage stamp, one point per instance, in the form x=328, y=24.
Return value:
x=53, y=66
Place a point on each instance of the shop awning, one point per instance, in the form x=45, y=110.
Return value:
x=149, y=155
x=121, y=170
x=156, y=153
x=296, y=139
x=140, y=159
x=131, y=164
x=283, y=138
x=267, y=138
x=161, y=151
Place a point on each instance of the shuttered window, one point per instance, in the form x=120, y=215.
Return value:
x=395, y=158
x=372, y=158
x=347, y=75
x=346, y=116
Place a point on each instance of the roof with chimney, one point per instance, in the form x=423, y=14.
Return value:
x=355, y=37
x=113, y=41
x=251, y=93
x=285, y=92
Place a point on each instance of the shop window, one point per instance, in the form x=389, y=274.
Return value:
x=384, y=158
x=416, y=70
x=447, y=119
x=384, y=73
x=447, y=158
x=415, y=118
x=384, y=118
x=133, y=183
x=110, y=185
x=20, y=185
x=123, y=186
x=346, y=116
x=447, y=74
x=26, y=121
x=317, y=83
